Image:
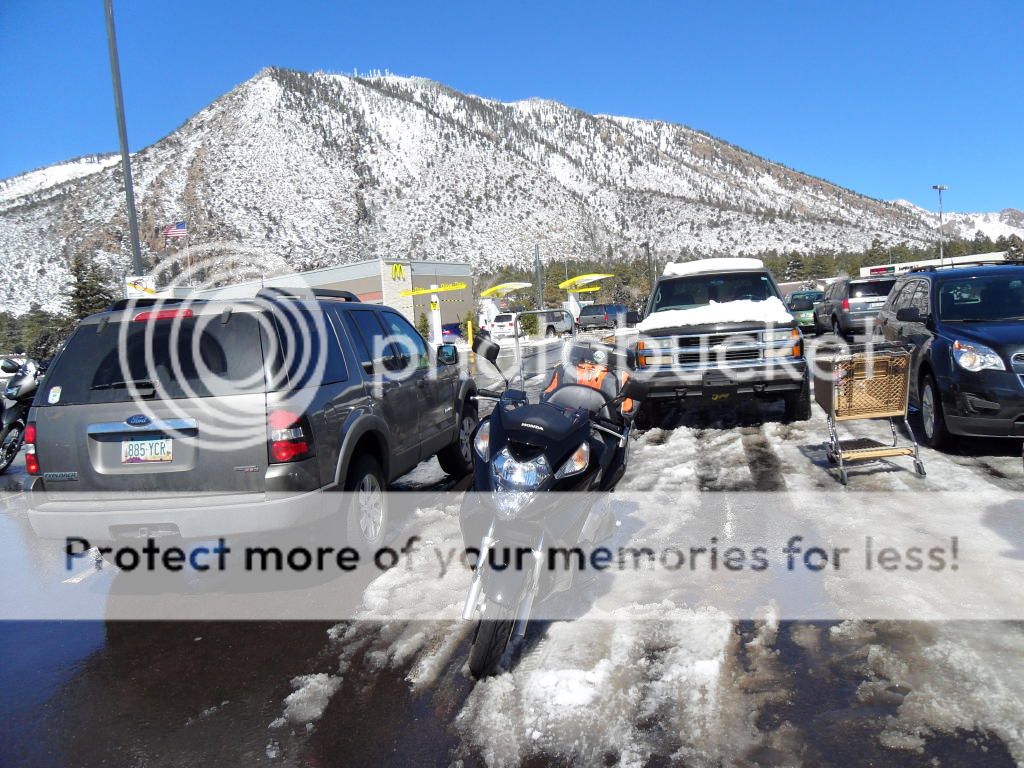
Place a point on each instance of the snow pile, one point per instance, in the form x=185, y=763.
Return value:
x=309, y=699
x=683, y=268
x=771, y=310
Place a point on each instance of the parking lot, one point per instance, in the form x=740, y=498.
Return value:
x=677, y=682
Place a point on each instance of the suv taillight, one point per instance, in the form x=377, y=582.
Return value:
x=290, y=438
x=846, y=305
x=31, y=460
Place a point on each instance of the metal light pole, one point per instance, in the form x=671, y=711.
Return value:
x=122, y=135
x=650, y=264
x=942, y=234
x=538, y=276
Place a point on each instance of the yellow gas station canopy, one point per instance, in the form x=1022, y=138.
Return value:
x=576, y=284
x=503, y=289
x=439, y=289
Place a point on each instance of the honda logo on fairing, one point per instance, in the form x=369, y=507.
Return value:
x=138, y=420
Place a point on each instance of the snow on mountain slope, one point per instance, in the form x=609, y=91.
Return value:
x=30, y=183
x=303, y=170
x=1004, y=223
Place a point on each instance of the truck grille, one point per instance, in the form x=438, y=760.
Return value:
x=713, y=356
x=715, y=339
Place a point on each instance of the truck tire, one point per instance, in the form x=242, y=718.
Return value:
x=457, y=458
x=798, y=404
x=550, y=332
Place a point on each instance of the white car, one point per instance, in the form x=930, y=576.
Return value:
x=503, y=326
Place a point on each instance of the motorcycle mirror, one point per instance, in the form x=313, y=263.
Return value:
x=635, y=389
x=9, y=366
x=486, y=349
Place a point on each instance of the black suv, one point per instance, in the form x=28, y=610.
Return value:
x=201, y=418
x=602, y=316
x=966, y=327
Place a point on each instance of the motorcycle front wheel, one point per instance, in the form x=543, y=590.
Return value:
x=10, y=444
x=492, y=636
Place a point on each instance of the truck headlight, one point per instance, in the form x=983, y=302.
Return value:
x=482, y=441
x=783, y=335
x=976, y=357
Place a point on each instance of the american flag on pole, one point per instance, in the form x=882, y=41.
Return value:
x=177, y=229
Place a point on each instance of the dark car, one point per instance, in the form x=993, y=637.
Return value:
x=966, y=328
x=220, y=417
x=603, y=316
x=850, y=305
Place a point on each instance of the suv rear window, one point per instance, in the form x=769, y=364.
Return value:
x=503, y=319
x=89, y=369
x=593, y=309
x=872, y=288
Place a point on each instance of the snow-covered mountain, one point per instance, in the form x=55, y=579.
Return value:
x=1004, y=223
x=303, y=170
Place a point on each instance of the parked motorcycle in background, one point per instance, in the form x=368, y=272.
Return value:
x=574, y=440
x=21, y=389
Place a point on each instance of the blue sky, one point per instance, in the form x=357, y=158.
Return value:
x=884, y=98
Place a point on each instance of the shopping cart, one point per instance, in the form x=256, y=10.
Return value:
x=865, y=382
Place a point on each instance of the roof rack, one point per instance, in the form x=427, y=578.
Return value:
x=937, y=267
x=143, y=302
x=298, y=292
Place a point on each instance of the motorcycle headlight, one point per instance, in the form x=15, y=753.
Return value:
x=976, y=357
x=520, y=475
x=482, y=441
x=576, y=463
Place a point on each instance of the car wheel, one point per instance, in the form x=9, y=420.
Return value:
x=10, y=444
x=817, y=328
x=367, y=517
x=837, y=330
x=457, y=458
x=550, y=333
x=933, y=422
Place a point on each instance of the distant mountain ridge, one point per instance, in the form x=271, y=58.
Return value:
x=305, y=170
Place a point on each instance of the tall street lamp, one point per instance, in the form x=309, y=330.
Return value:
x=942, y=234
x=122, y=135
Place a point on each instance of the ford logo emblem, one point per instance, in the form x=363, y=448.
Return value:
x=138, y=420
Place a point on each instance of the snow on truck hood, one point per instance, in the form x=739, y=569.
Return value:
x=681, y=268
x=771, y=310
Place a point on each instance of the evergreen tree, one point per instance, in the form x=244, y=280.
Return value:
x=91, y=292
x=423, y=325
x=1015, y=249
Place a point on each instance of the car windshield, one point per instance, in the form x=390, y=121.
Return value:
x=872, y=289
x=983, y=299
x=809, y=295
x=700, y=290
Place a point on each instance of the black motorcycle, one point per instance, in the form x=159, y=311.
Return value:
x=574, y=440
x=21, y=388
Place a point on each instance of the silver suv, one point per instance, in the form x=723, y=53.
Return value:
x=206, y=418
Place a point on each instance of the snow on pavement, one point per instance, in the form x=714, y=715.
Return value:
x=634, y=681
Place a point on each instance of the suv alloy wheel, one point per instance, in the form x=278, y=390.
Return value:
x=367, y=519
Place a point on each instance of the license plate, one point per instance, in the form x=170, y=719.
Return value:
x=144, y=451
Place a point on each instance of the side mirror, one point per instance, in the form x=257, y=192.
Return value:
x=908, y=315
x=448, y=354
x=801, y=305
x=9, y=366
x=486, y=348
x=635, y=389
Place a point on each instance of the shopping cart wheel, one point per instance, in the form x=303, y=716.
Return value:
x=843, y=477
x=919, y=468
x=831, y=457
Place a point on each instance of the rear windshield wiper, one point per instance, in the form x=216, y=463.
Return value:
x=137, y=384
